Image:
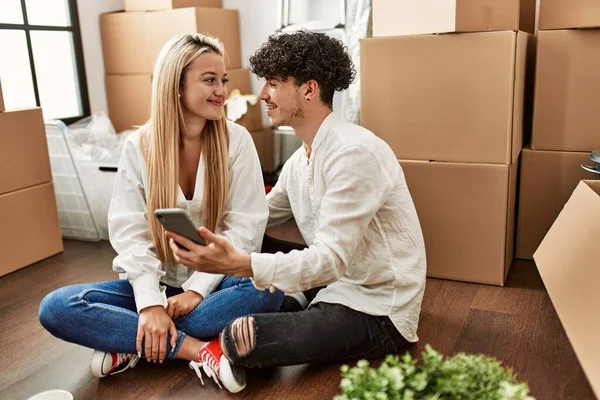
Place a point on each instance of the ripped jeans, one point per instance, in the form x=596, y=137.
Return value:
x=323, y=332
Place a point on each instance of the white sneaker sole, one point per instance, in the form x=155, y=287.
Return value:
x=233, y=378
x=97, y=364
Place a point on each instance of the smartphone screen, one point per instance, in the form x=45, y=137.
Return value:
x=177, y=221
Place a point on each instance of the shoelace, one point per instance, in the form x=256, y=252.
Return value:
x=122, y=357
x=210, y=367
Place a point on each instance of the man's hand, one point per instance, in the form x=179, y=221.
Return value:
x=153, y=326
x=217, y=257
x=183, y=303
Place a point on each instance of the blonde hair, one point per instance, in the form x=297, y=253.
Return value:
x=161, y=140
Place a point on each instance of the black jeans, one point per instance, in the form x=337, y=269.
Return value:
x=323, y=332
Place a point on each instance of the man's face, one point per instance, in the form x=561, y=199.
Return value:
x=283, y=100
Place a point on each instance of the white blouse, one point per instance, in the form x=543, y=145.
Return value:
x=243, y=223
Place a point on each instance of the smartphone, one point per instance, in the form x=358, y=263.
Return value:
x=177, y=221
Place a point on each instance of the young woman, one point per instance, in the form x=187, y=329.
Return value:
x=188, y=156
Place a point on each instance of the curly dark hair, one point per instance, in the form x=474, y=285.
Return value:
x=306, y=55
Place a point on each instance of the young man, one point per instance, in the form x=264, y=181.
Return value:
x=348, y=195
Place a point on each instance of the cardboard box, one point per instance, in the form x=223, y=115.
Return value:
x=149, y=5
x=129, y=98
x=240, y=79
x=24, y=159
x=218, y=22
x=264, y=140
x=568, y=263
x=124, y=43
x=1, y=99
x=415, y=17
x=131, y=41
x=457, y=97
x=467, y=213
x=565, y=14
x=567, y=91
x=547, y=181
x=30, y=230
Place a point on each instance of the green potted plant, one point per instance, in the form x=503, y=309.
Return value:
x=460, y=377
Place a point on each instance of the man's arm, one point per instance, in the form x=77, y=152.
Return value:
x=357, y=186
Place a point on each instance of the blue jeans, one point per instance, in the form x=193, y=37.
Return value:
x=103, y=315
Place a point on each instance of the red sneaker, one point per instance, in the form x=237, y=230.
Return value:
x=218, y=367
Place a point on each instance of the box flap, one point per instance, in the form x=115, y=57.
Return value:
x=569, y=263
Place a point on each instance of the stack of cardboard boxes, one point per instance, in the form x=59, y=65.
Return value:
x=132, y=40
x=28, y=213
x=452, y=108
x=566, y=121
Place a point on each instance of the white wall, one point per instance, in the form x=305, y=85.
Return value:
x=89, y=22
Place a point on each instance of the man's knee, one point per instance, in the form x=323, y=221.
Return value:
x=239, y=338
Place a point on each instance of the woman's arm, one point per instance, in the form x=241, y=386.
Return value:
x=128, y=231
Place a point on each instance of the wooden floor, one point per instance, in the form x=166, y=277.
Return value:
x=516, y=324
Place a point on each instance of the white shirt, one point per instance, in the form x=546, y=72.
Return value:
x=243, y=223
x=354, y=210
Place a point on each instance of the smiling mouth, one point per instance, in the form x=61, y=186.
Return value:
x=271, y=107
x=217, y=103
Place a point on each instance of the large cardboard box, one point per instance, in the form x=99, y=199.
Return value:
x=565, y=14
x=457, y=97
x=568, y=263
x=24, y=159
x=150, y=5
x=567, y=91
x=240, y=79
x=129, y=98
x=413, y=17
x=1, y=99
x=218, y=22
x=30, y=230
x=467, y=213
x=124, y=43
x=547, y=181
x=131, y=41
x=264, y=140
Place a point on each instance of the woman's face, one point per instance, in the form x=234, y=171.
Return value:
x=204, y=93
